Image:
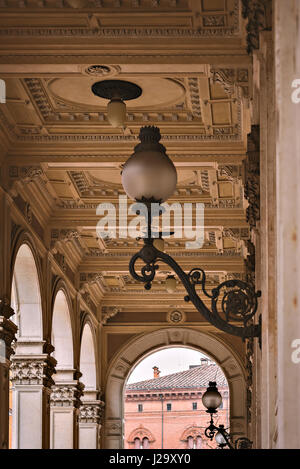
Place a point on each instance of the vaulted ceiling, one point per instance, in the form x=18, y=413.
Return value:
x=61, y=158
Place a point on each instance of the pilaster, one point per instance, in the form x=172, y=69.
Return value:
x=31, y=377
x=90, y=422
x=65, y=404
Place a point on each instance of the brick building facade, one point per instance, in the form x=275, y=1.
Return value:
x=167, y=412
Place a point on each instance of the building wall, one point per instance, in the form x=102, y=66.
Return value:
x=175, y=423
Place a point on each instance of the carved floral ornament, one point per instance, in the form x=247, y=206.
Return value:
x=176, y=317
x=91, y=412
x=33, y=371
x=101, y=70
x=67, y=395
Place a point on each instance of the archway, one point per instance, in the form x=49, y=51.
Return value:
x=64, y=392
x=163, y=393
x=27, y=363
x=88, y=360
x=89, y=425
x=62, y=337
x=144, y=344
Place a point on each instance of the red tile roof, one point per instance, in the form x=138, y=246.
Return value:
x=195, y=377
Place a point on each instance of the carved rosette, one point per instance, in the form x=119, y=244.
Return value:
x=30, y=371
x=91, y=412
x=67, y=395
x=7, y=330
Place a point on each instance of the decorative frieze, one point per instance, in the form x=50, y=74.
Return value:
x=33, y=370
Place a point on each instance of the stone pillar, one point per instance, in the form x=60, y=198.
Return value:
x=287, y=66
x=65, y=404
x=90, y=421
x=7, y=335
x=31, y=387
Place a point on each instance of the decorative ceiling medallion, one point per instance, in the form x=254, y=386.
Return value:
x=176, y=317
x=101, y=70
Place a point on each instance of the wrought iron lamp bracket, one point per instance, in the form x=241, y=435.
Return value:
x=232, y=301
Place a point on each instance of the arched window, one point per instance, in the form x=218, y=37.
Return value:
x=198, y=442
x=190, y=442
x=137, y=443
x=145, y=444
x=140, y=438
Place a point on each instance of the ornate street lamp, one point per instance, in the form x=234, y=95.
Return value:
x=149, y=176
x=212, y=400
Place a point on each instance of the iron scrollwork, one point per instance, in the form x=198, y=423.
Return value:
x=232, y=301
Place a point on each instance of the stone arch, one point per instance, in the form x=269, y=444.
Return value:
x=88, y=358
x=143, y=345
x=27, y=368
x=26, y=293
x=62, y=330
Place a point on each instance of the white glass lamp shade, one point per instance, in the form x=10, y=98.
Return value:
x=212, y=399
x=149, y=173
x=116, y=113
x=159, y=244
x=220, y=439
x=171, y=284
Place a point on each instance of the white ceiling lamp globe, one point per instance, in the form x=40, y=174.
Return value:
x=149, y=174
x=116, y=112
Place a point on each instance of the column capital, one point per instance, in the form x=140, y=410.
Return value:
x=67, y=394
x=33, y=370
x=91, y=412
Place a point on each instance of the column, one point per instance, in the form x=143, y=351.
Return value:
x=90, y=420
x=7, y=335
x=65, y=404
x=31, y=372
x=287, y=66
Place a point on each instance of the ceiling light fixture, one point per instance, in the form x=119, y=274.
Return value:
x=117, y=91
x=149, y=176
